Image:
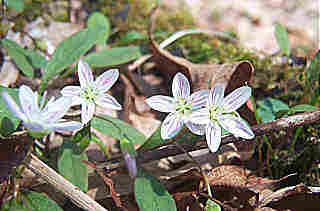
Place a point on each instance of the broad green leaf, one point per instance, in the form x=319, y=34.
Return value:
x=127, y=146
x=151, y=195
x=313, y=71
x=273, y=105
x=31, y=201
x=113, y=56
x=8, y=122
x=16, y=4
x=19, y=58
x=116, y=128
x=302, y=108
x=212, y=206
x=69, y=51
x=35, y=59
x=132, y=36
x=282, y=38
x=269, y=107
x=70, y=165
x=98, y=19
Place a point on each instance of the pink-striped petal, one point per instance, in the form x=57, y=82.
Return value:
x=106, y=80
x=13, y=107
x=85, y=74
x=180, y=87
x=236, y=99
x=196, y=128
x=213, y=136
x=70, y=91
x=216, y=95
x=236, y=126
x=200, y=116
x=171, y=126
x=28, y=100
x=199, y=99
x=87, y=111
x=65, y=126
x=107, y=101
x=161, y=103
x=57, y=109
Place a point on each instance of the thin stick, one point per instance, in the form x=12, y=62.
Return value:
x=60, y=183
x=260, y=130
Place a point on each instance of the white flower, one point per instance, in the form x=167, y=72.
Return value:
x=221, y=112
x=91, y=93
x=43, y=119
x=180, y=106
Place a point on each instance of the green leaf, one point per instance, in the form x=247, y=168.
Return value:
x=116, y=128
x=132, y=36
x=19, y=58
x=100, y=143
x=98, y=19
x=82, y=137
x=113, y=56
x=302, y=108
x=8, y=122
x=15, y=4
x=35, y=59
x=273, y=105
x=127, y=146
x=70, y=165
x=151, y=195
x=31, y=201
x=212, y=206
x=313, y=71
x=68, y=51
x=269, y=107
x=282, y=38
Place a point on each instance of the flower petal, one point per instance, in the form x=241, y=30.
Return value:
x=213, y=136
x=180, y=86
x=28, y=100
x=236, y=126
x=87, y=111
x=131, y=164
x=106, y=80
x=161, y=103
x=200, y=116
x=57, y=109
x=196, y=128
x=236, y=99
x=199, y=99
x=216, y=95
x=13, y=107
x=70, y=91
x=65, y=126
x=171, y=126
x=85, y=74
x=107, y=101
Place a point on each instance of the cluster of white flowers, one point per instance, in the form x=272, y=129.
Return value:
x=43, y=119
x=203, y=112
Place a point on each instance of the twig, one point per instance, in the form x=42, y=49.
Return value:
x=267, y=128
x=60, y=183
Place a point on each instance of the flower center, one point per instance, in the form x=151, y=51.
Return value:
x=183, y=106
x=215, y=111
x=90, y=93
